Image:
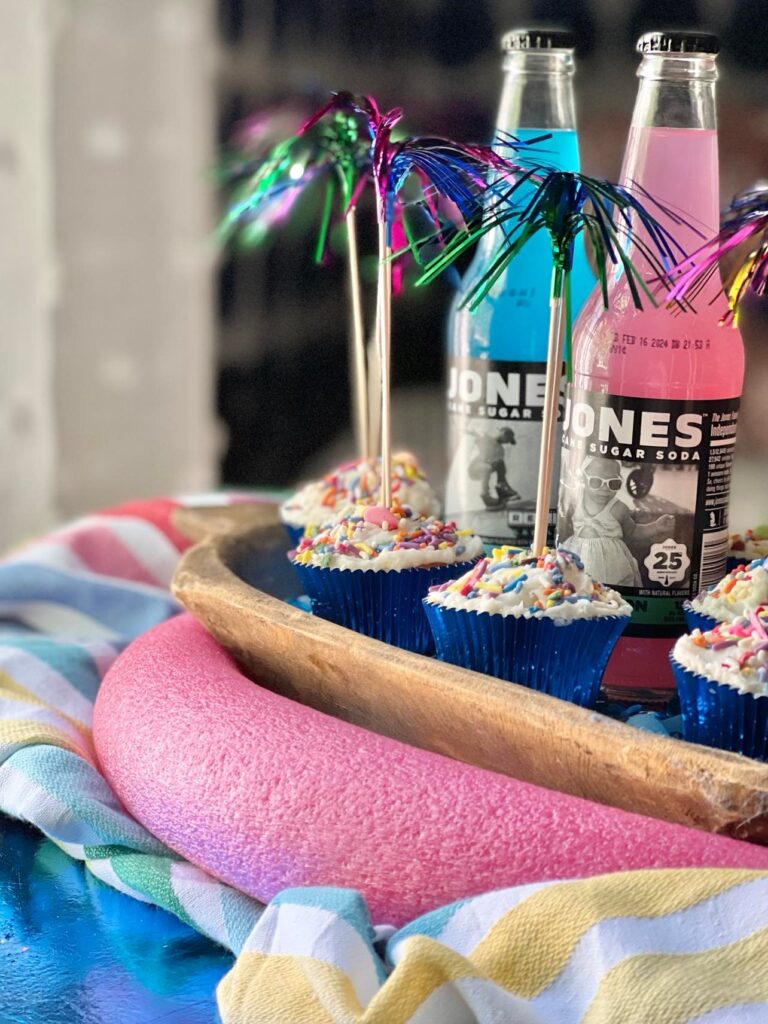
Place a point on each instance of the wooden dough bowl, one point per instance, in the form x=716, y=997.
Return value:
x=235, y=581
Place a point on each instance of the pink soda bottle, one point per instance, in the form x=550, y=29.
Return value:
x=650, y=417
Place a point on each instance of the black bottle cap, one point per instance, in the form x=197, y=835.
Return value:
x=537, y=39
x=678, y=42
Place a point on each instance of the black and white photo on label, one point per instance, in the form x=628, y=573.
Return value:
x=631, y=523
x=492, y=477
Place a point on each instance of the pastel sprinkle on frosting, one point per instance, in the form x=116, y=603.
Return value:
x=733, y=652
x=355, y=482
x=515, y=581
x=367, y=533
x=744, y=587
x=741, y=574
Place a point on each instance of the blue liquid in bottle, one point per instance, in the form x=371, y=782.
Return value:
x=497, y=355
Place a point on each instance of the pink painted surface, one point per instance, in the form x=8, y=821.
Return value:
x=265, y=793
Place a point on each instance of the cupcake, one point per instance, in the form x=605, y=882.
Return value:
x=370, y=567
x=318, y=502
x=744, y=587
x=746, y=547
x=722, y=680
x=541, y=621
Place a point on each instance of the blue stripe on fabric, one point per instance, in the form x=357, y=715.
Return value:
x=69, y=659
x=431, y=925
x=346, y=904
x=124, y=607
x=79, y=787
x=239, y=914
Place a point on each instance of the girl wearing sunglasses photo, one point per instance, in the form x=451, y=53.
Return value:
x=602, y=525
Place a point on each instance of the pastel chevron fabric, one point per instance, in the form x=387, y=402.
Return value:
x=663, y=947
x=646, y=947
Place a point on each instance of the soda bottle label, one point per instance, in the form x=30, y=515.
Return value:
x=494, y=420
x=644, y=491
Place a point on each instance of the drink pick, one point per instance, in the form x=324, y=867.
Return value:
x=332, y=146
x=349, y=143
x=744, y=222
x=453, y=177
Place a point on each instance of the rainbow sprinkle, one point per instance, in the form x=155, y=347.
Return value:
x=482, y=582
x=742, y=574
x=353, y=535
x=355, y=482
x=746, y=642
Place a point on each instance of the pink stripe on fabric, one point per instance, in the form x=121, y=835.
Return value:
x=102, y=551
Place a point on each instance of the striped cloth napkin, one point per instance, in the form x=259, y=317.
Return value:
x=68, y=605
x=662, y=947
x=643, y=947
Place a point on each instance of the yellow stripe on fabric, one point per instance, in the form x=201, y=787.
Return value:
x=264, y=988
x=11, y=689
x=670, y=989
x=531, y=944
x=424, y=967
x=23, y=733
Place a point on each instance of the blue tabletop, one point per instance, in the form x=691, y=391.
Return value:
x=74, y=951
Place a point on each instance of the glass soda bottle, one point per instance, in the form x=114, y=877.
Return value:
x=497, y=355
x=650, y=417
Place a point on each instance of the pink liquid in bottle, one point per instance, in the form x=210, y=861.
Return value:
x=678, y=167
x=651, y=413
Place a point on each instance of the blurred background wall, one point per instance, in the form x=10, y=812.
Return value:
x=139, y=359
x=107, y=267
x=27, y=272
x=134, y=104
x=281, y=318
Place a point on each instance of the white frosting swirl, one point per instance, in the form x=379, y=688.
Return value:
x=369, y=538
x=734, y=654
x=514, y=582
x=739, y=590
x=318, y=501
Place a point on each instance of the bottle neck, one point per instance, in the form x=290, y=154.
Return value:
x=676, y=91
x=536, y=98
x=537, y=92
x=672, y=146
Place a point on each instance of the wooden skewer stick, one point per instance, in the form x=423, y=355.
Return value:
x=385, y=330
x=547, y=452
x=358, y=360
x=374, y=385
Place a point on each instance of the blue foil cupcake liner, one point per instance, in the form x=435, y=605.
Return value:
x=696, y=620
x=718, y=715
x=383, y=605
x=565, y=661
x=295, y=533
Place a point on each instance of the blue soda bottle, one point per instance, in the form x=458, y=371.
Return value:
x=497, y=355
